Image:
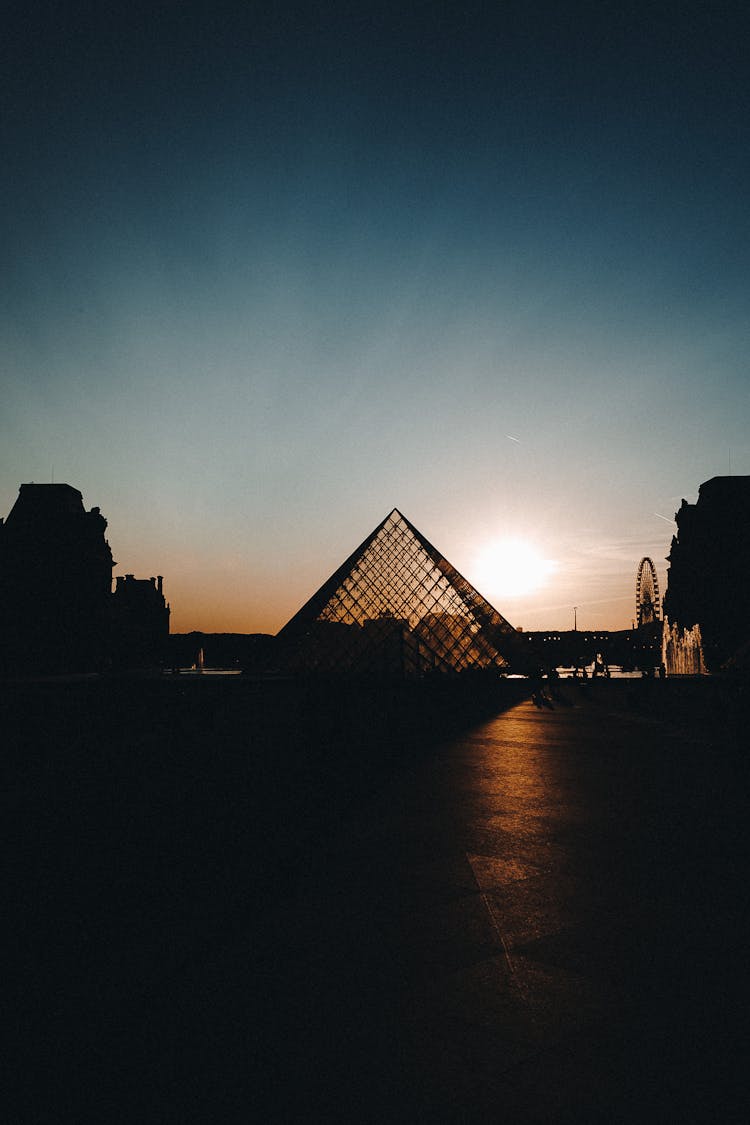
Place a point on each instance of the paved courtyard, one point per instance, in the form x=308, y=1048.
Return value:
x=541, y=920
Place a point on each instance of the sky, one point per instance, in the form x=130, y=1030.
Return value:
x=269, y=272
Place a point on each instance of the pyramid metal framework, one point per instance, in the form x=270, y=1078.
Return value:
x=395, y=607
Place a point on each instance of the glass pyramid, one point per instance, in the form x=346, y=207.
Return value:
x=395, y=607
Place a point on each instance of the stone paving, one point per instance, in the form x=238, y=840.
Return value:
x=540, y=920
x=536, y=922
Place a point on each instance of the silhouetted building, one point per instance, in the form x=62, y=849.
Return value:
x=395, y=608
x=57, y=609
x=140, y=622
x=55, y=581
x=707, y=582
x=575, y=648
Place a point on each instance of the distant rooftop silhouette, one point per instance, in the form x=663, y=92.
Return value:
x=396, y=606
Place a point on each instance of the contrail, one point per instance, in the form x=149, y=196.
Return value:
x=663, y=518
x=515, y=439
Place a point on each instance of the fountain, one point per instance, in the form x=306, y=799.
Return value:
x=682, y=650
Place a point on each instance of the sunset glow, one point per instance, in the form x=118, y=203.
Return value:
x=269, y=275
x=510, y=568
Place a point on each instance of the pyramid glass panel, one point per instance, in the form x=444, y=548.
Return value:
x=395, y=607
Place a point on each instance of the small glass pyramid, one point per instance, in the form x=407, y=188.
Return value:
x=395, y=607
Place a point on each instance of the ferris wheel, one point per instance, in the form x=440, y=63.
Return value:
x=647, y=605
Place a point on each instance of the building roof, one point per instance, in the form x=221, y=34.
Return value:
x=42, y=502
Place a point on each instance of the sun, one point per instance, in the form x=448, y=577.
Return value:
x=511, y=568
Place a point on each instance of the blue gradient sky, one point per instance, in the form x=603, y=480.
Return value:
x=267, y=275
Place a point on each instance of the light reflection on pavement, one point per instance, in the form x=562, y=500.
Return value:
x=527, y=918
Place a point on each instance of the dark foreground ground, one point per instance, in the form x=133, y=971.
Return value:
x=233, y=902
